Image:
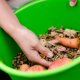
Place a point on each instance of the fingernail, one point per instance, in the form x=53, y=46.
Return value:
x=50, y=55
x=72, y=3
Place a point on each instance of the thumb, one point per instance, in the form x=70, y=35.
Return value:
x=35, y=57
x=43, y=50
x=72, y=2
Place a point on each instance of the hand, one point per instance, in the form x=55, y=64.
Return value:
x=25, y=38
x=30, y=45
x=72, y=2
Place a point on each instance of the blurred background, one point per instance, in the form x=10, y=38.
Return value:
x=4, y=76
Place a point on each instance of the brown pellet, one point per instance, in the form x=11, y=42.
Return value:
x=25, y=60
x=18, y=56
x=22, y=58
x=50, y=59
x=18, y=66
x=47, y=58
x=53, y=59
x=21, y=62
x=58, y=54
x=18, y=61
x=13, y=62
x=25, y=57
x=20, y=52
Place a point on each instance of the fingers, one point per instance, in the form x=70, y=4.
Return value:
x=61, y=49
x=54, y=41
x=44, y=62
x=43, y=50
x=72, y=2
x=35, y=57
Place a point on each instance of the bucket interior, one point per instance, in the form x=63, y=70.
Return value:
x=38, y=16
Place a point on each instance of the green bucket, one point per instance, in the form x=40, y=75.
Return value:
x=38, y=16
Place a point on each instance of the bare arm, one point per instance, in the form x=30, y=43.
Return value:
x=29, y=45
x=8, y=20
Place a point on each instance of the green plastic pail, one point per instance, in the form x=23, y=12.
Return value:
x=38, y=16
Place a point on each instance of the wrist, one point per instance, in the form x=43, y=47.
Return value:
x=18, y=32
x=15, y=29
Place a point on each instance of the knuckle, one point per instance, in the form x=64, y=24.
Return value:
x=35, y=44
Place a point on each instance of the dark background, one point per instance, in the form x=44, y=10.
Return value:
x=4, y=76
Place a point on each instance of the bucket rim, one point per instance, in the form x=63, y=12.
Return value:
x=45, y=73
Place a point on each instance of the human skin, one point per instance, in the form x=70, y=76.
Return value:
x=72, y=2
x=25, y=38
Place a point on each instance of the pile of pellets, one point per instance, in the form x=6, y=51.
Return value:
x=71, y=53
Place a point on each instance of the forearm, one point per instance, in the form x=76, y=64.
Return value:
x=8, y=20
